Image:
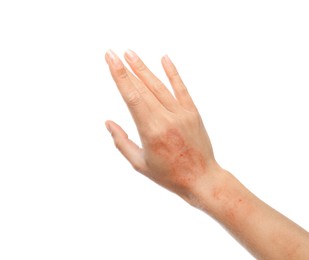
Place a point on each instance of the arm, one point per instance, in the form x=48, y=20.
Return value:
x=177, y=154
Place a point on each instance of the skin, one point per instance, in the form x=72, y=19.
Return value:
x=176, y=153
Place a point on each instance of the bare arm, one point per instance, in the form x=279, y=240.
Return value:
x=177, y=154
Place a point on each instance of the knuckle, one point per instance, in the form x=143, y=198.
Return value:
x=117, y=144
x=140, y=66
x=142, y=90
x=182, y=89
x=133, y=98
x=159, y=86
x=188, y=117
x=154, y=134
x=194, y=119
x=155, y=129
x=174, y=75
x=121, y=72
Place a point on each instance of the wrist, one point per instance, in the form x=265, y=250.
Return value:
x=202, y=191
x=218, y=193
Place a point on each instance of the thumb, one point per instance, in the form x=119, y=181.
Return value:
x=131, y=151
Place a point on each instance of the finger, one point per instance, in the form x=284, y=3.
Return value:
x=150, y=99
x=131, y=151
x=138, y=100
x=151, y=81
x=180, y=90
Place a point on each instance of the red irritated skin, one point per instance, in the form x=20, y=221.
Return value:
x=176, y=153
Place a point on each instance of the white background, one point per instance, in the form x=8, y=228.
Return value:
x=66, y=193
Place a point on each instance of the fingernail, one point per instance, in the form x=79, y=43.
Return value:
x=111, y=55
x=131, y=55
x=167, y=59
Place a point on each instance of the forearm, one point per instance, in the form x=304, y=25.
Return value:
x=266, y=233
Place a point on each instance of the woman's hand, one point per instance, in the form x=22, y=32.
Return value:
x=176, y=151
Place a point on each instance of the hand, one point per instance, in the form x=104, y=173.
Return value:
x=176, y=151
